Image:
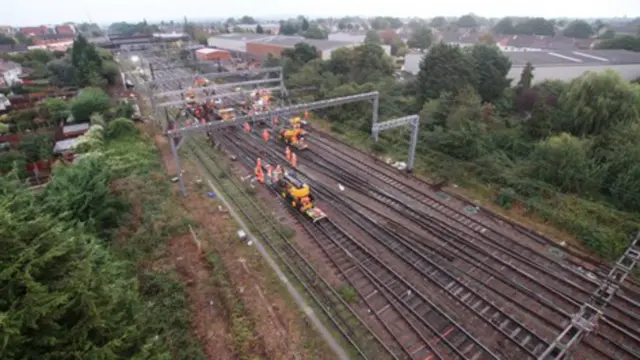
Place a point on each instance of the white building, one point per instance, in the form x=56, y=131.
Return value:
x=10, y=72
x=559, y=65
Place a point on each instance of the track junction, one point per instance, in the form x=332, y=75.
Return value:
x=434, y=276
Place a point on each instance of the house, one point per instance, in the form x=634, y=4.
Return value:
x=10, y=72
x=35, y=30
x=66, y=30
x=13, y=49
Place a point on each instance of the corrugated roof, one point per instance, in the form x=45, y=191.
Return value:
x=75, y=127
x=574, y=57
x=291, y=41
x=210, y=51
x=64, y=145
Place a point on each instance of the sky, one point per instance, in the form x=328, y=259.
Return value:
x=35, y=12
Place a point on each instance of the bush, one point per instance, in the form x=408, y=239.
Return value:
x=120, y=127
x=89, y=101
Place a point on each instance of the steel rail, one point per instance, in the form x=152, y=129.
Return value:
x=311, y=274
x=530, y=278
x=522, y=253
x=445, y=318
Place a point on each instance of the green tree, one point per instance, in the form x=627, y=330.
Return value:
x=301, y=53
x=492, y=68
x=467, y=21
x=7, y=40
x=372, y=37
x=87, y=102
x=63, y=295
x=87, y=62
x=56, y=109
x=259, y=29
x=446, y=68
x=504, y=26
x=438, y=22
x=370, y=64
x=288, y=28
x=37, y=147
x=315, y=32
x=565, y=161
x=304, y=24
x=541, y=122
x=62, y=72
x=248, y=20
x=526, y=77
x=626, y=42
x=535, y=26
x=578, y=29
x=596, y=102
x=421, y=38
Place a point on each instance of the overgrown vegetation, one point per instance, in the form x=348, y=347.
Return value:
x=245, y=340
x=75, y=262
x=566, y=152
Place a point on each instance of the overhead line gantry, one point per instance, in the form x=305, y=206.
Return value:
x=586, y=320
x=178, y=136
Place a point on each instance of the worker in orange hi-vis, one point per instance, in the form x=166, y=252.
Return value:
x=306, y=115
x=265, y=135
x=294, y=160
x=260, y=177
x=247, y=128
x=287, y=153
x=259, y=164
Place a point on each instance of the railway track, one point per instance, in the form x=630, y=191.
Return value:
x=619, y=325
x=533, y=289
x=342, y=316
x=580, y=260
x=436, y=335
x=391, y=177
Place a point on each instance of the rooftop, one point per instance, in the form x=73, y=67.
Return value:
x=13, y=48
x=577, y=57
x=290, y=41
x=284, y=41
x=64, y=145
x=75, y=127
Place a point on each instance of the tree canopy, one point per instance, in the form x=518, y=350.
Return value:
x=579, y=29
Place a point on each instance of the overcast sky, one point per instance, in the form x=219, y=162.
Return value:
x=34, y=12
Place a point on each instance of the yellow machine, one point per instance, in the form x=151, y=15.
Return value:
x=294, y=137
x=298, y=195
x=226, y=114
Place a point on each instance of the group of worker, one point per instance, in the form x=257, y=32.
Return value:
x=273, y=174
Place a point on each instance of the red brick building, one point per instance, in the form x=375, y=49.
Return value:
x=65, y=30
x=35, y=30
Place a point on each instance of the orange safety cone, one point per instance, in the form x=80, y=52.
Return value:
x=247, y=128
x=265, y=135
x=294, y=160
x=287, y=153
x=260, y=177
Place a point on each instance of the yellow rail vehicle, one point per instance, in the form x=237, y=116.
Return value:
x=294, y=137
x=298, y=195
